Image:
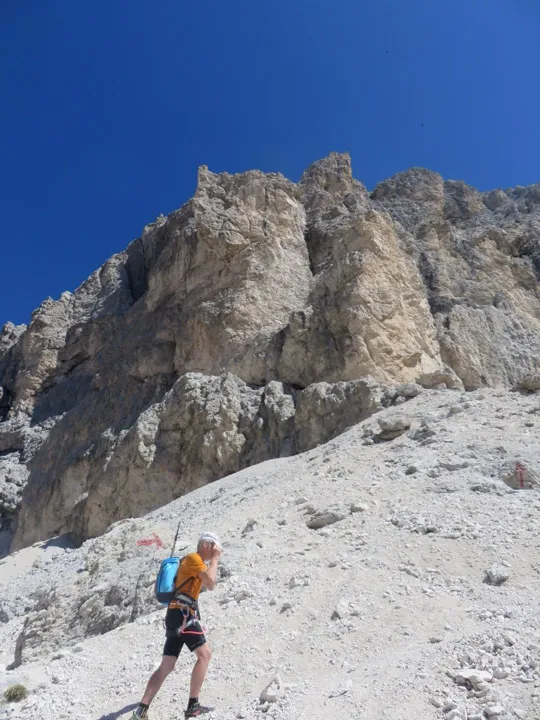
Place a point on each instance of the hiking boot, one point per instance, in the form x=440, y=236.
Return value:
x=196, y=710
x=140, y=714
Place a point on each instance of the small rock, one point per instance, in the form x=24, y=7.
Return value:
x=324, y=518
x=286, y=606
x=392, y=427
x=475, y=677
x=423, y=434
x=411, y=470
x=408, y=390
x=249, y=527
x=272, y=692
x=358, y=507
x=342, y=689
x=339, y=612
x=409, y=571
x=496, y=575
x=444, y=377
x=452, y=466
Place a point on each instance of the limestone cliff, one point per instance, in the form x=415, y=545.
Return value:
x=256, y=321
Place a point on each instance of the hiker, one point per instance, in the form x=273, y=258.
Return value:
x=183, y=627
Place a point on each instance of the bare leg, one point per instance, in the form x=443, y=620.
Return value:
x=158, y=678
x=199, y=671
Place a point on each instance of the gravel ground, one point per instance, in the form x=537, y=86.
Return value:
x=414, y=593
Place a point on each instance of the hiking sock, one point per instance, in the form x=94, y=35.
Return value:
x=142, y=711
x=192, y=703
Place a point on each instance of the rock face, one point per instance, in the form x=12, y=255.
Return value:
x=260, y=319
x=206, y=427
x=367, y=312
x=479, y=257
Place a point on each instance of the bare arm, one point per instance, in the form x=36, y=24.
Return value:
x=209, y=576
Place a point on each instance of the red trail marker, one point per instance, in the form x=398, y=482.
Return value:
x=153, y=540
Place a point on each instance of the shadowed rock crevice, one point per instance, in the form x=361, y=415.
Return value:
x=5, y=403
x=136, y=269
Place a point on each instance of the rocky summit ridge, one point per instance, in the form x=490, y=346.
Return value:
x=262, y=318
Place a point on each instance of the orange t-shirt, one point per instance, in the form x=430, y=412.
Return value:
x=187, y=578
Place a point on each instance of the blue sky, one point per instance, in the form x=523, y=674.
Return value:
x=109, y=106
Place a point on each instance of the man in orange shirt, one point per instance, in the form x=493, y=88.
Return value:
x=183, y=627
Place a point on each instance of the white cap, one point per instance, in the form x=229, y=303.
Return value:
x=210, y=537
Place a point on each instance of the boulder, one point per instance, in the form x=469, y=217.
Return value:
x=528, y=383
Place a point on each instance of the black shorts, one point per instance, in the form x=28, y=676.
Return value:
x=193, y=637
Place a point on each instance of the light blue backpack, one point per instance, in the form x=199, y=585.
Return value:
x=165, y=585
